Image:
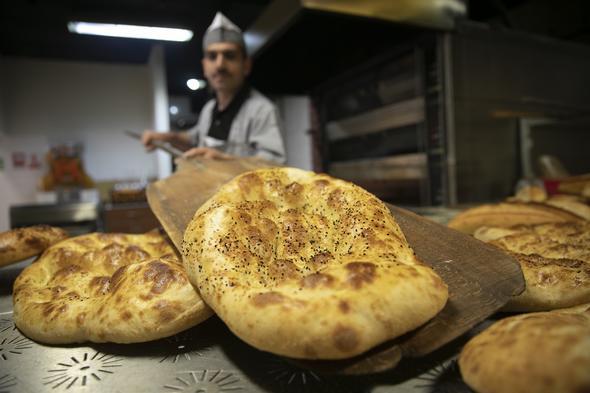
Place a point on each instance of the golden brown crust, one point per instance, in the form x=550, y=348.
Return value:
x=538, y=352
x=22, y=243
x=574, y=185
x=571, y=204
x=106, y=288
x=555, y=260
x=529, y=194
x=551, y=283
x=307, y=266
x=555, y=240
x=504, y=215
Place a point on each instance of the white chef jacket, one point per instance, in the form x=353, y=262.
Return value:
x=255, y=130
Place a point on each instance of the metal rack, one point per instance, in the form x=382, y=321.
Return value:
x=390, y=110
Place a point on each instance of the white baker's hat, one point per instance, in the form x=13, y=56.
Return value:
x=223, y=30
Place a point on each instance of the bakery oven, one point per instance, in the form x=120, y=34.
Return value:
x=457, y=118
x=381, y=125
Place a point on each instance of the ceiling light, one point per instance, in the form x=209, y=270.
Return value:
x=196, y=84
x=130, y=31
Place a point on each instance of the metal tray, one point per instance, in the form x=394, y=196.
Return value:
x=207, y=358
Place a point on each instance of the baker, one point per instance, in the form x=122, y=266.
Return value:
x=239, y=120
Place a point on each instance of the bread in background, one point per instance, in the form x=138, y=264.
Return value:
x=546, y=352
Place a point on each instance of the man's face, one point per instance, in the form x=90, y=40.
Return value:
x=225, y=66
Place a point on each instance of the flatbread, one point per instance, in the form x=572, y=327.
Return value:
x=571, y=203
x=505, y=215
x=106, y=288
x=546, y=352
x=575, y=185
x=22, y=243
x=530, y=194
x=555, y=260
x=307, y=266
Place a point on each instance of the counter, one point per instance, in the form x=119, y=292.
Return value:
x=75, y=217
x=206, y=358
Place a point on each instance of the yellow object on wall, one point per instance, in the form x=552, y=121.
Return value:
x=65, y=169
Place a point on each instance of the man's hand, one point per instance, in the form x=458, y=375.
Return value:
x=149, y=136
x=207, y=153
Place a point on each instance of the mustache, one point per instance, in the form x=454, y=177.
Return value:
x=221, y=72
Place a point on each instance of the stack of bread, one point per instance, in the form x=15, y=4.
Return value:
x=311, y=267
x=547, y=350
x=295, y=263
x=548, y=236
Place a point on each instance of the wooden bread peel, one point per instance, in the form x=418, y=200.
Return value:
x=481, y=278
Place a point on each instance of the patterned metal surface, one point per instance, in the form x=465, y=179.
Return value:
x=13, y=345
x=207, y=358
x=205, y=381
x=184, y=347
x=82, y=370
